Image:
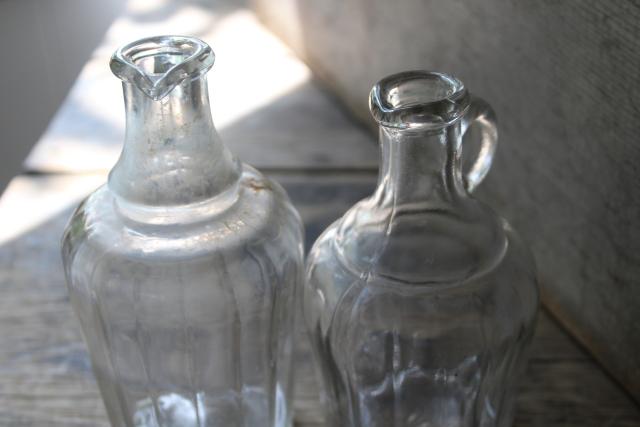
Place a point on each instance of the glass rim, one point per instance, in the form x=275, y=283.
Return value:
x=195, y=58
x=418, y=99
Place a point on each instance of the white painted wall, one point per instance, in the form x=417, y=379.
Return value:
x=44, y=45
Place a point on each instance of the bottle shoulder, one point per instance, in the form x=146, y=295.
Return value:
x=421, y=245
x=340, y=293
x=257, y=212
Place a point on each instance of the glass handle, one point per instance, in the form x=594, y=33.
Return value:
x=481, y=115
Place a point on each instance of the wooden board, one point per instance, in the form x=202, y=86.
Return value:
x=563, y=78
x=45, y=374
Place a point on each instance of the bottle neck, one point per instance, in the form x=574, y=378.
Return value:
x=172, y=154
x=419, y=166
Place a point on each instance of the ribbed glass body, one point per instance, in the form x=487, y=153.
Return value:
x=183, y=268
x=420, y=300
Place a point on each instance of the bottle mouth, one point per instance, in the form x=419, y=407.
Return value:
x=418, y=99
x=156, y=65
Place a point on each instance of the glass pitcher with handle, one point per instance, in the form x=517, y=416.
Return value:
x=421, y=300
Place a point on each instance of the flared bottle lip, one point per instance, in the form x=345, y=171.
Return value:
x=156, y=65
x=418, y=99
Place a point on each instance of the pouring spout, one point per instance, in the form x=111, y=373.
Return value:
x=156, y=65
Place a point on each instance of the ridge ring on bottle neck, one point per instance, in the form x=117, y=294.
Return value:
x=418, y=100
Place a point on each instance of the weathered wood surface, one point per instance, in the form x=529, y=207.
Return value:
x=49, y=45
x=563, y=78
x=261, y=95
x=45, y=374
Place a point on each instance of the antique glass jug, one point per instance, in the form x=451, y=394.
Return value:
x=420, y=300
x=182, y=269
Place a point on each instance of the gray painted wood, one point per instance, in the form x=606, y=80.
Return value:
x=45, y=373
x=563, y=78
x=49, y=46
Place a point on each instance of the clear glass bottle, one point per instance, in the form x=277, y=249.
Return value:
x=420, y=300
x=183, y=268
